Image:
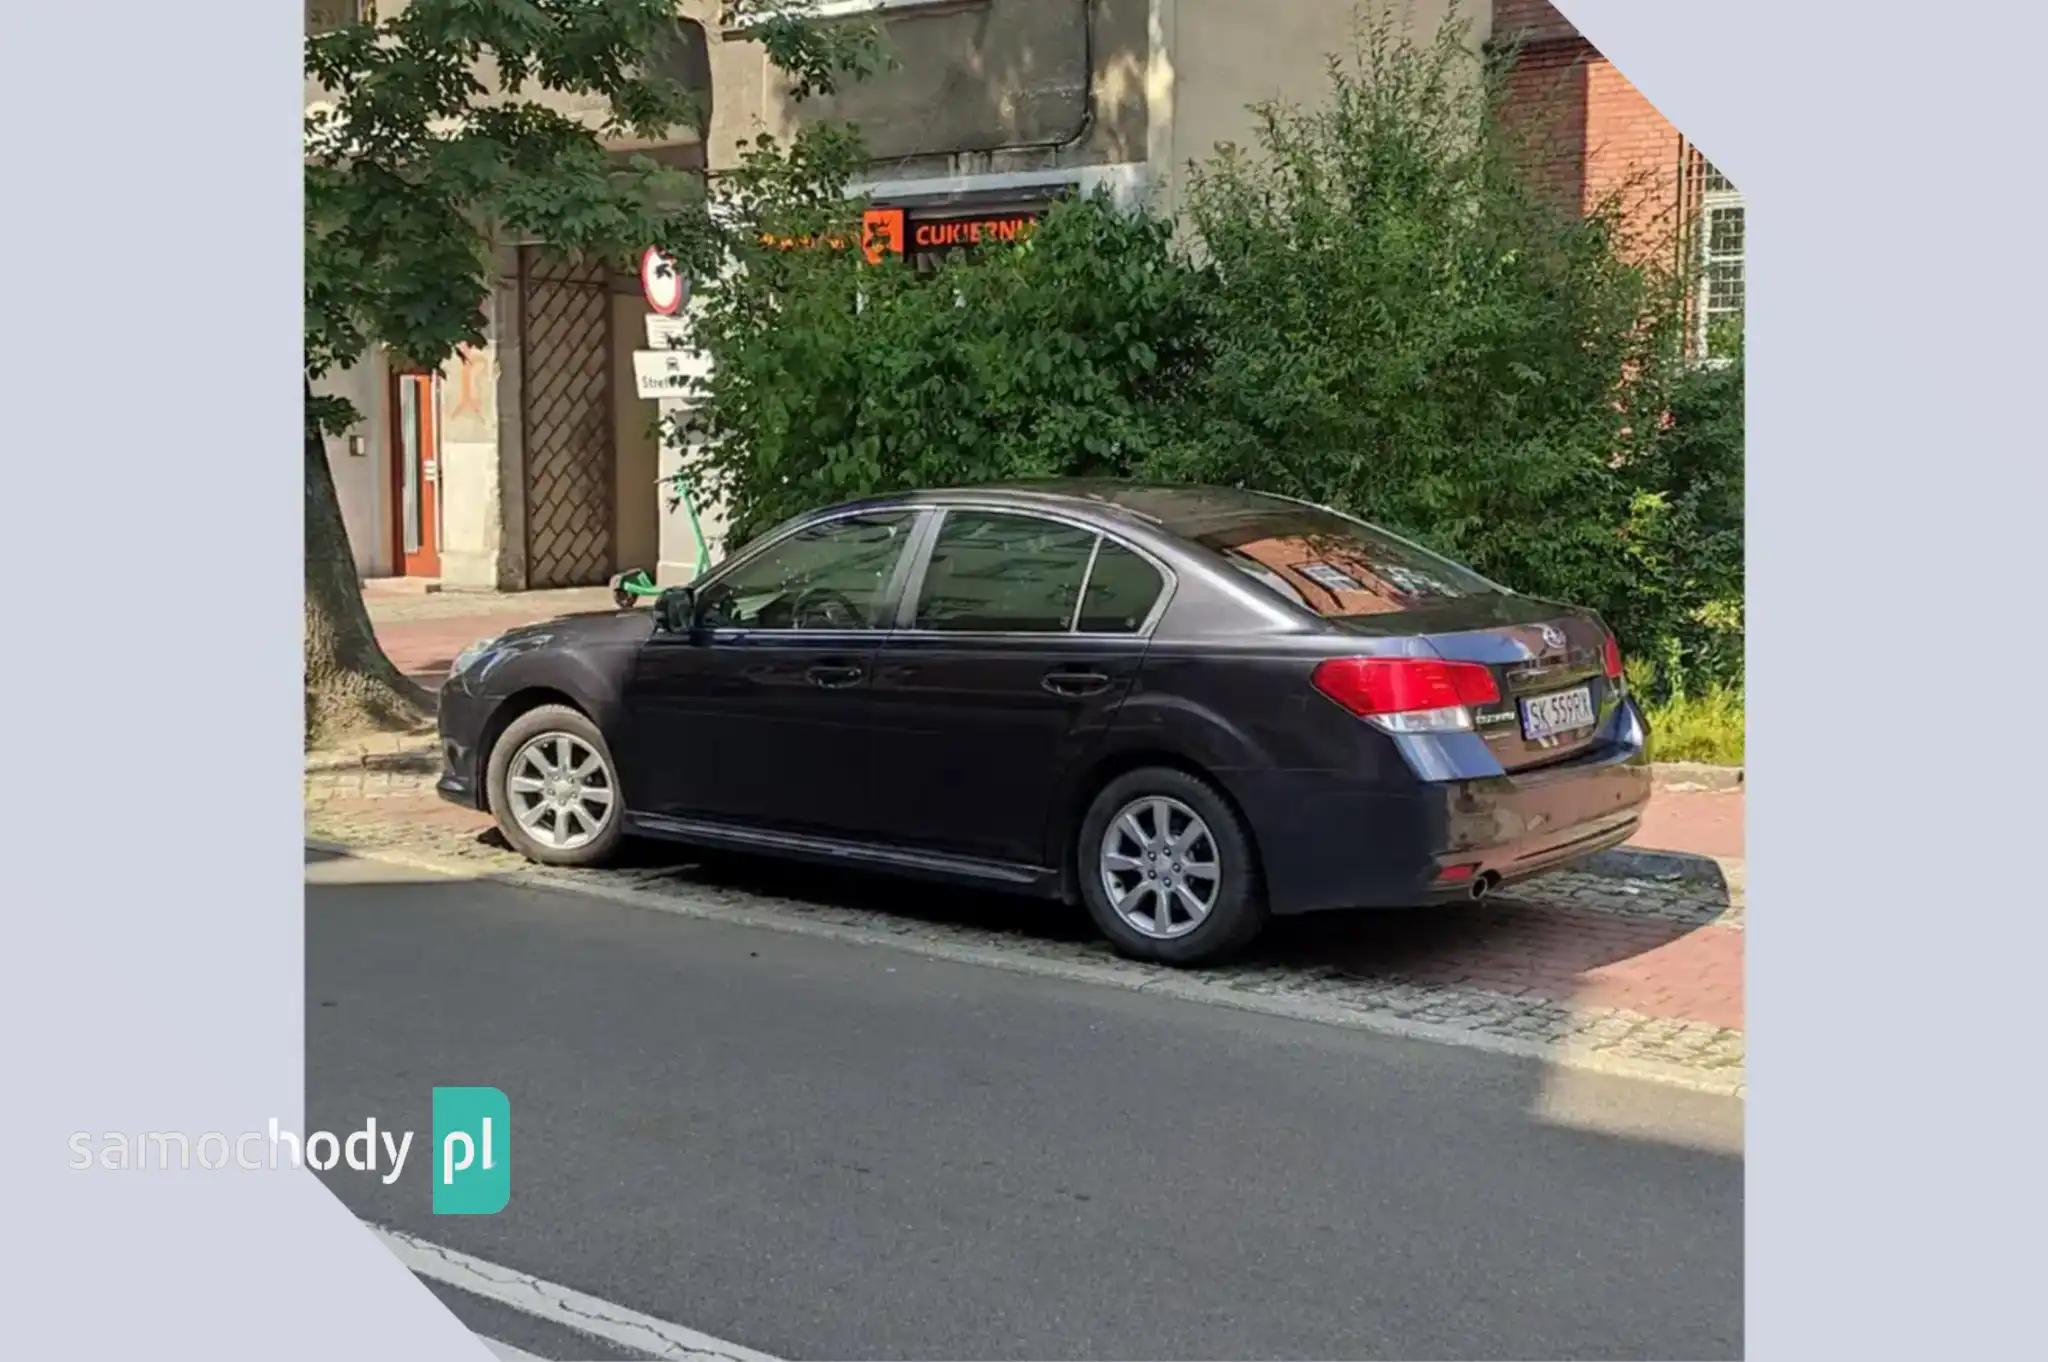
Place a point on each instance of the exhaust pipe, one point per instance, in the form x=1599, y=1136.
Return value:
x=1482, y=885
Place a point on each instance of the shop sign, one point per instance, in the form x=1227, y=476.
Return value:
x=925, y=241
x=949, y=233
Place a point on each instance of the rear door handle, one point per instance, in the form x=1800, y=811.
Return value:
x=834, y=675
x=1075, y=683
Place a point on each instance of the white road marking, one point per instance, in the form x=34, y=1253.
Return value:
x=561, y=1305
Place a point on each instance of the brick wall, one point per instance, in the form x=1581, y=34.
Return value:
x=1586, y=133
x=1537, y=20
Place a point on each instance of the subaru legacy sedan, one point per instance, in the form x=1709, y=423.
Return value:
x=1186, y=708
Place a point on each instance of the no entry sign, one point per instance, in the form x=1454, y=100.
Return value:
x=661, y=282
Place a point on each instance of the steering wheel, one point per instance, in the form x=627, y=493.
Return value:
x=821, y=607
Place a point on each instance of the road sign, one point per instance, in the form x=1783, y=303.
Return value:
x=667, y=333
x=661, y=282
x=669, y=373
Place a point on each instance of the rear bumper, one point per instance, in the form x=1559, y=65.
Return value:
x=1530, y=826
x=1328, y=842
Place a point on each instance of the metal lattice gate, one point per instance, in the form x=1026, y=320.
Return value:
x=566, y=387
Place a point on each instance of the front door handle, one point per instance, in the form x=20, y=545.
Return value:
x=1075, y=683
x=833, y=675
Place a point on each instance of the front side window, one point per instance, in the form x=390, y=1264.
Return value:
x=997, y=573
x=833, y=575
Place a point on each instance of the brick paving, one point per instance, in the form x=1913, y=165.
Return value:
x=1702, y=822
x=1639, y=975
x=422, y=632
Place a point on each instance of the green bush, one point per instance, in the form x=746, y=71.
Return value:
x=836, y=378
x=1684, y=530
x=1396, y=323
x=1705, y=727
x=1375, y=312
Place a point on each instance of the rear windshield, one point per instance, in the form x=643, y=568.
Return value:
x=1333, y=565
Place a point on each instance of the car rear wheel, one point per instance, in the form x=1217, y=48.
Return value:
x=554, y=789
x=1167, y=870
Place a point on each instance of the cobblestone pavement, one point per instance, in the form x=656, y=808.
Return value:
x=1633, y=975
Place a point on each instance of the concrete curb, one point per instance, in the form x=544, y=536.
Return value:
x=1694, y=775
x=1637, y=863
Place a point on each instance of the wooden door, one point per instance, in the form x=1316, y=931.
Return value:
x=416, y=475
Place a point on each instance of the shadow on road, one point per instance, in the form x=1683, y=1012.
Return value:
x=1521, y=942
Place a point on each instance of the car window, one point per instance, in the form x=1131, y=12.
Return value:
x=1121, y=590
x=991, y=572
x=1335, y=565
x=833, y=575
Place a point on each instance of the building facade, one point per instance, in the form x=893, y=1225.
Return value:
x=1591, y=136
x=532, y=460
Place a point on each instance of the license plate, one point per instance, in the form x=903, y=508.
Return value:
x=1558, y=712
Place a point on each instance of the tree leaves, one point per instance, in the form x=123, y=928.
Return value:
x=1380, y=315
x=443, y=133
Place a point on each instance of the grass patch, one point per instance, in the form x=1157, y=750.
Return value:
x=1705, y=727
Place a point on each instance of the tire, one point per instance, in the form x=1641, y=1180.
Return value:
x=1233, y=913
x=577, y=809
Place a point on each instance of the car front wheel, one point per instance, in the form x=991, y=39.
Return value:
x=1167, y=870
x=554, y=789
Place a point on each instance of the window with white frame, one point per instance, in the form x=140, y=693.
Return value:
x=1722, y=231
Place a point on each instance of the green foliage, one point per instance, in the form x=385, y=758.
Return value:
x=1683, y=536
x=443, y=135
x=1401, y=326
x=1380, y=315
x=835, y=377
x=1705, y=727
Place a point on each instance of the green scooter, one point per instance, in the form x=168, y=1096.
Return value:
x=629, y=588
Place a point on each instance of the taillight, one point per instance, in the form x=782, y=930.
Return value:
x=1610, y=657
x=1407, y=694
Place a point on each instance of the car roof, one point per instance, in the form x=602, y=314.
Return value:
x=1179, y=509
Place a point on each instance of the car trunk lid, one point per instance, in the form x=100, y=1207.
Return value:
x=1548, y=662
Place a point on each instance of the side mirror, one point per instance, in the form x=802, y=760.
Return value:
x=675, y=610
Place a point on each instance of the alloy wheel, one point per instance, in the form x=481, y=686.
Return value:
x=1160, y=867
x=561, y=792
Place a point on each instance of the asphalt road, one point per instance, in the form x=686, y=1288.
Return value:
x=818, y=1149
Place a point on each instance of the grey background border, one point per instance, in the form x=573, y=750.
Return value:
x=1895, y=1197
x=1896, y=965
x=154, y=966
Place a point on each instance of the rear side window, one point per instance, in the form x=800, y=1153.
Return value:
x=996, y=573
x=1122, y=589
x=1334, y=565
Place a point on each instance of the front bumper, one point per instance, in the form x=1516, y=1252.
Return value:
x=461, y=726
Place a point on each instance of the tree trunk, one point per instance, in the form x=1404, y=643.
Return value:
x=350, y=685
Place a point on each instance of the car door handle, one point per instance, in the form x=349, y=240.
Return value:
x=1075, y=683
x=833, y=675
